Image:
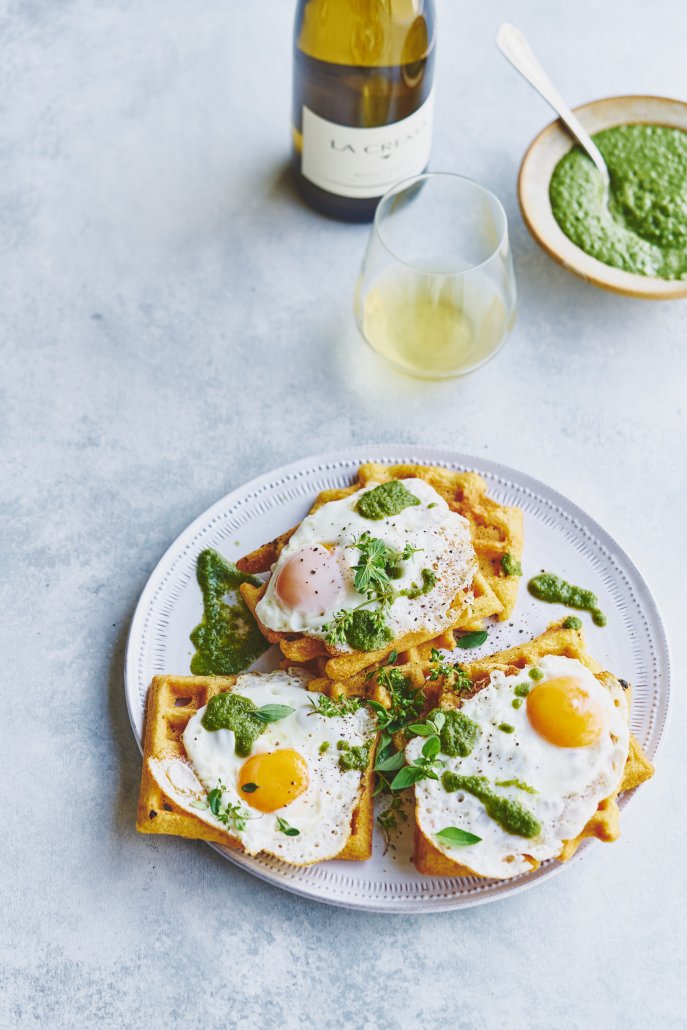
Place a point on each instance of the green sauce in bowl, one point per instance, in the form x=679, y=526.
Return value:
x=642, y=228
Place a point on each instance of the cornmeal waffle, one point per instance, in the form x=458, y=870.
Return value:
x=496, y=530
x=172, y=701
x=415, y=666
x=605, y=824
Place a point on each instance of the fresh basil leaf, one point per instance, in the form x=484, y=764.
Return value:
x=273, y=713
x=456, y=837
x=250, y=788
x=214, y=798
x=284, y=827
x=470, y=640
x=438, y=720
x=384, y=740
x=390, y=763
x=407, y=777
x=379, y=786
x=431, y=747
x=422, y=729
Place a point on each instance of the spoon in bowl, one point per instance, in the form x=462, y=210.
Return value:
x=516, y=49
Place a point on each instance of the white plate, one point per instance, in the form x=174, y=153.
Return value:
x=559, y=537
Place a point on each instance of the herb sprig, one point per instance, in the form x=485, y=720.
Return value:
x=331, y=707
x=390, y=819
x=425, y=766
x=231, y=815
x=283, y=827
x=378, y=564
x=454, y=676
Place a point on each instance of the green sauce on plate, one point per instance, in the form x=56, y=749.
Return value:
x=227, y=640
x=554, y=590
x=643, y=228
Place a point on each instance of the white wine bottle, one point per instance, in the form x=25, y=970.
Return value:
x=362, y=100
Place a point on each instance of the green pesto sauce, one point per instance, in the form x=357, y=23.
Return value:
x=353, y=756
x=229, y=711
x=418, y=590
x=510, y=815
x=510, y=565
x=366, y=632
x=458, y=733
x=554, y=590
x=572, y=622
x=385, y=500
x=227, y=640
x=643, y=227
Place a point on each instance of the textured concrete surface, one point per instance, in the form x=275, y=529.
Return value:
x=174, y=321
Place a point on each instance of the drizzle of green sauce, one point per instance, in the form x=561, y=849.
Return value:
x=643, y=227
x=385, y=500
x=520, y=784
x=554, y=590
x=458, y=733
x=572, y=622
x=510, y=815
x=229, y=711
x=418, y=590
x=227, y=640
x=353, y=756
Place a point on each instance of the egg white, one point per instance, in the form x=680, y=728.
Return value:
x=323, y=811
x=570, y=782
x=444, y=545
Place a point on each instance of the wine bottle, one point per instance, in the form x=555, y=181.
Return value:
x=362, y=100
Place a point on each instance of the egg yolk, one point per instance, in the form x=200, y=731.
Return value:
x=280, y=776
x=562, y=712
x=310, y=581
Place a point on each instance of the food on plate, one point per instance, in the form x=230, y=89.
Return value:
x=554, y=590
x=520, y=759
x=641, y=226
x=260, y=763
x=227, y=640
x=405, y=555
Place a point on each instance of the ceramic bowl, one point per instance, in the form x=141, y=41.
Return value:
x=533, y=191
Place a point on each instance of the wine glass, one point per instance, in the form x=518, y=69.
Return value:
x=436, y=292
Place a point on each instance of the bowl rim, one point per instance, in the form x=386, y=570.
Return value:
x=577, y=261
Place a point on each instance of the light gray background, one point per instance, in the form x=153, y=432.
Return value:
x=174, y=322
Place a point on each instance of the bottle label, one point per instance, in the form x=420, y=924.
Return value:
x=365, y=163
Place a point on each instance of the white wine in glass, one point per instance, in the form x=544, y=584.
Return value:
x=436, y=292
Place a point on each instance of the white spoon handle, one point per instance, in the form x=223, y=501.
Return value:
x=516, y=49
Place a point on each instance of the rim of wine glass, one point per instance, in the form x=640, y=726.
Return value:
x=405, y=184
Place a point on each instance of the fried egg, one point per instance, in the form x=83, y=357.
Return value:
x=293, y=772
x=554, y=740
x=313, y=578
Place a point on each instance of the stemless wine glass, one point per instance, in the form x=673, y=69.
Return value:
x=436, y=291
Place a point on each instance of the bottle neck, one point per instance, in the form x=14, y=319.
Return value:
x=365, y=33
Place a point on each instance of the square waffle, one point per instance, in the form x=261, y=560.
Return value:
x=496, y=530
x=172, y=701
